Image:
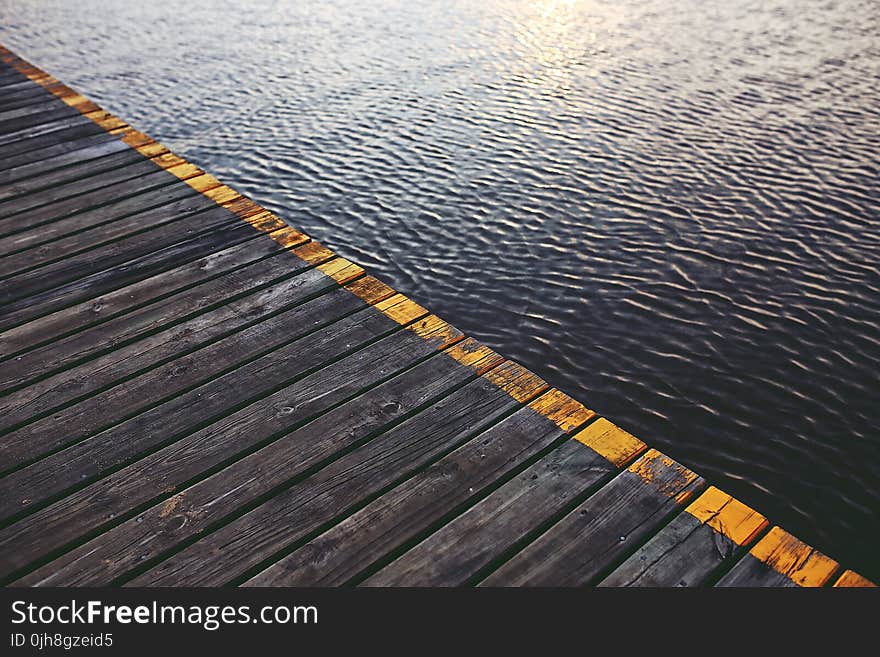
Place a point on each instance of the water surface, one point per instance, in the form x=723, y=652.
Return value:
x=669, y=210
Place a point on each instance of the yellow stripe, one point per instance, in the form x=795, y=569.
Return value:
x=467, y=353
x=649, y=466
x=516, y=381
x=728, y=516
x=850, y=578
x=204, y=182
x=135, y=139
x=370, y=289
x=160, y=155
x=436, y=330
x=558, y=407
x=794, y=559
x=241, y=206
x=401, y=309
x=222, y=194
x=314, y=252
x=472, y=354
x=341, y=270
x=610, y=441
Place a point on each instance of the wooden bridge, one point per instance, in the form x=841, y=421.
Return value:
x=194, y=393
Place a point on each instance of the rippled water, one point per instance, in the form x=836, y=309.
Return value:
x=669, y=210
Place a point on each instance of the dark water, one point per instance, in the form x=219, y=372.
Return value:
x=669, y=210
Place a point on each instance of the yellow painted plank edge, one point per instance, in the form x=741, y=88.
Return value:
x=728, y=516
x=794, y=559
x=851, y=579
x=611, y=441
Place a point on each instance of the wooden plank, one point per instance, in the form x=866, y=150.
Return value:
x=25, y=134
x=36, y=187
x=67, y=198
x=55, y=113
x=17, y=120
x=334, y=491
x=601, y=530
x=21, y=84
x=470, y=543
x=24, y=285
x=30, y=110
x=72, y=159
x=10, y=83
x=781, y=560
x=79, y=212
x=11, y=76
x=190, y=303
x=161, y=170
x=10, y=72
x=851, y=579
x=153, y=191
x=62, y=135
x=24, y=95
x=95, y=311
x=123, y=442
x=58, y=149
x=694, y=546
x=494, y=528
x=105, y=370
x=159, y=529
x=102, y=280
x=230, y=439
x=155, y=208
x=94, y=414
x=338, y=555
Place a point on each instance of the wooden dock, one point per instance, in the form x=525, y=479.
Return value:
x=194, y=393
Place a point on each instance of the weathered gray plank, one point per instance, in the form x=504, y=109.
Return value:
x=694, y=546
x=13, y=85
x=21, y=286
x=71, y=159
x=335, y=490
x=177, y=416
x=340, y=553
x=62, y=135
x=105, y=370
x=50, y=151
x=154, y=208
x=44, y=129
x=752, y=573
x=159, y=529
x=34, y=189
x=11, y=79
x=64, y=199
x=182, y=461
x=10, y=84
x=29, y=110
x=781, y=560
x=456, y=553
x=94, y=414
x=102, y=282
x=90, y=204
x=95, y=311
x=25, y=94
x=686, y=553
x=190, y=303
x=602, y=529
x=53, y=114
